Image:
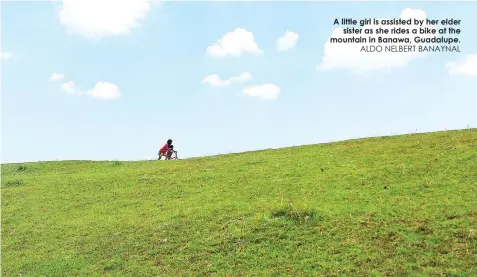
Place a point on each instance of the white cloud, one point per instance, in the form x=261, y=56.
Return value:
x=56, y=76
x=465, y=66
x=105, y=90
x=215, y=81
x=101, y=18
x=348, y=56
x=6, y=55
x=234, y=44
x=70, y=88
x=263, y=92
x=287, y=41
x=102, y=90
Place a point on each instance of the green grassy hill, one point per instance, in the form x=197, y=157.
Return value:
x=393, y=206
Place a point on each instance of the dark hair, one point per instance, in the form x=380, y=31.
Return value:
x=171, y=146
x=169, y=141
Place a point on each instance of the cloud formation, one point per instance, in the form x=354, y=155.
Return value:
x=215, y=81
x=234, y=44
x=349, y=55
x=101, y=90
x=70, y=88
x=466, y=66
x=56, y=76
x=266, y=92
x=102, y=18
x=6, y=55
x=104, y=90
x=287, y=41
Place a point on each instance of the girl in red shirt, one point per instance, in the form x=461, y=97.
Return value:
x=163, y=150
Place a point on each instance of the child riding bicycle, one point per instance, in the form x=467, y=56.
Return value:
x=167, y=150
x=169, y=153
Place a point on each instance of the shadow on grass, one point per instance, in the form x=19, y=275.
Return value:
x=13, y=183
x=294, y=214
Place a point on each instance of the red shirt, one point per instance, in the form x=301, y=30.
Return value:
x=164, y=148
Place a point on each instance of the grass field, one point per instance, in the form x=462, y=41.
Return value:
x=392, y=206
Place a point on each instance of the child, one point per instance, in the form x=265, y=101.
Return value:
x=170, y=151
x=163, y=150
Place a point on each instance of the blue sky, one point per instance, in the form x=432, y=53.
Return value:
x=153, y=74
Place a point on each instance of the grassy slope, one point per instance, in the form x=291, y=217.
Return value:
x=404, y=205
